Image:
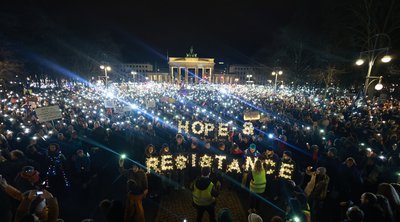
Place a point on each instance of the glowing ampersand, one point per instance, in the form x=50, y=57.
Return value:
x=248, y=128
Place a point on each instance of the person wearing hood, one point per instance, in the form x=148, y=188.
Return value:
x=316, y=191
x=204, y=194
x=252, y=151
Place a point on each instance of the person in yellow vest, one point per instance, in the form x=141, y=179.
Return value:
x=204, y=194
x=257, y=185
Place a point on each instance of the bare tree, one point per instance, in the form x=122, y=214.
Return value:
x=9, y=66
x=330, y=75
x=372, y=17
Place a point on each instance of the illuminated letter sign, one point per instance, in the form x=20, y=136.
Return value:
x=185, y=127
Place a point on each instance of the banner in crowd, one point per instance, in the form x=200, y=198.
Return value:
x=204, y=128
x=224, y=163
x=251, y=115
x=109, y=103
x=118, y=110
x=30, y=98
x=151, y=104
x=167, y=99
x=48, y=113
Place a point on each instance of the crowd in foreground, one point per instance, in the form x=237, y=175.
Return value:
x=344, y=152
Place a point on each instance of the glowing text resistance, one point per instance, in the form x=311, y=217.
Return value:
x=165, y=163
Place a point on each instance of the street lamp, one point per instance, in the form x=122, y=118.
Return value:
x=386, y=59
x=378, y=86
x=276, y=77
x=359, y=62
x=249, y=78
x=105, y=68
x=372, y=55
x=134, y=73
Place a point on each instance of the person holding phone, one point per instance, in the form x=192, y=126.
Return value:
x=40, y=204
x=316, y=190
x=34, y=203
x=136, y=174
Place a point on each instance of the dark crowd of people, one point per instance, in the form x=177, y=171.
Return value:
x=342, y=150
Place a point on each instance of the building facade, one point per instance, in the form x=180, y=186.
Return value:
x=158, y=76
x=239, y=73
x=190, y=69
x=135, y=71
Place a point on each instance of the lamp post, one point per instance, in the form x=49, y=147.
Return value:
x=249, y=78
x=378, y=86
x=280, y=72
x=105, y=68
x=133, y=73
x=372, y=55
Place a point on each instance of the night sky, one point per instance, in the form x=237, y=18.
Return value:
x=144, y=31
x=214, y=28
x=222, y=29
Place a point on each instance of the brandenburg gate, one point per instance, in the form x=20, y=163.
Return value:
x=190, y=69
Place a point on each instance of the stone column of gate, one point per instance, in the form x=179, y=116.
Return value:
x=211, y=75
x=179, y=74
x=196, y=77
x=186, y=75
x=172, y=76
